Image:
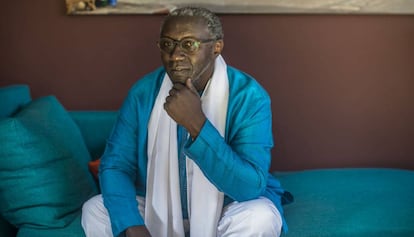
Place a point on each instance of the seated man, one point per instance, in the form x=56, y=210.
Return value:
x=190, y=151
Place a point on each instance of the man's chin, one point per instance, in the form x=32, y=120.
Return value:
x=175, y=78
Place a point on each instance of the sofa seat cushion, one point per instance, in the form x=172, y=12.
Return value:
x=43, y=166
x=350, y=202
x=73, y=229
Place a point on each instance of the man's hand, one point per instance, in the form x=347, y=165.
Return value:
x=137, y=231
x=184, y=106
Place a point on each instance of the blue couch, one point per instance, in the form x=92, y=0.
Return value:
x=44, y=178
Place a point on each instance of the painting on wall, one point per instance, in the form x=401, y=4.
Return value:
x=93, y=7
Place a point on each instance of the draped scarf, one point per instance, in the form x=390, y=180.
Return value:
x=163, y=213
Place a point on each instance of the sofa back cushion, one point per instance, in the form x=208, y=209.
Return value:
x=95, y=127
x=43, y=166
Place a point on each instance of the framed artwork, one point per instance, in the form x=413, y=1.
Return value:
x=93, y=7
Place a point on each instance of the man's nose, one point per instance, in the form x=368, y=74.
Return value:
x=177, y=53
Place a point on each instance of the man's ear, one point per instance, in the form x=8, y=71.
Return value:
x=218, y=46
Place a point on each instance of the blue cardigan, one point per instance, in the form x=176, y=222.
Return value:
x=237, y=164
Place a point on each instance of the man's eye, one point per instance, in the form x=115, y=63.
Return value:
x=188, y=44
x=167, y=43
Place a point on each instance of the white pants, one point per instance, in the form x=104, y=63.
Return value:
x=258, y=218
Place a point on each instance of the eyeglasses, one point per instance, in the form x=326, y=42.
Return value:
x=188, y=45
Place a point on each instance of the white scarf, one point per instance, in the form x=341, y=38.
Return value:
x=163, y=215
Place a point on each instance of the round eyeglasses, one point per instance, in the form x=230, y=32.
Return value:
x=187, y=45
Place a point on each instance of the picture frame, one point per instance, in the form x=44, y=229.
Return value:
x=107, y=7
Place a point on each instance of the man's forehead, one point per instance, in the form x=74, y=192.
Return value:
x=184, y=19
x=185, y=24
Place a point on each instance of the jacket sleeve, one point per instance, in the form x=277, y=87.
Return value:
x=118, y=170
x=239, y=164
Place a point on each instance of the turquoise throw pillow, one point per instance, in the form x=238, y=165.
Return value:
x=74, y=229
x=43, y=166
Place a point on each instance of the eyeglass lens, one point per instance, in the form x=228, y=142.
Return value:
x=188, y=45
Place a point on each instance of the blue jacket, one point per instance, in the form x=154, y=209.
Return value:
x=238, y=164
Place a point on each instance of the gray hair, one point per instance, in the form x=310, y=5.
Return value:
x=213, y=21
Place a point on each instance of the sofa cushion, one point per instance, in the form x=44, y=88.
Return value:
x=95, y=127
x=350, y=202
x=12, y=98
x=43, y=166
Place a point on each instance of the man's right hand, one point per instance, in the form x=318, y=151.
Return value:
x=137, y=231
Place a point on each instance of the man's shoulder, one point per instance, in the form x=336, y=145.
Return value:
x=233, y=73
x=242, y=82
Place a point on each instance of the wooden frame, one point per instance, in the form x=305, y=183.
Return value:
x=253, y=6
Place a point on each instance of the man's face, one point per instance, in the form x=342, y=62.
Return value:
x=182, y=64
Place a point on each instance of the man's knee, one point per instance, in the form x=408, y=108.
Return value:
x=266, y=220
x=252, y=218
x=93, y=207
x=95, y=218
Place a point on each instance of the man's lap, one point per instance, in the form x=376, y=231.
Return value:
x=257, y=217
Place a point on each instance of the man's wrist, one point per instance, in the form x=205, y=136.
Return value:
x=195, y=128
x=137, y=231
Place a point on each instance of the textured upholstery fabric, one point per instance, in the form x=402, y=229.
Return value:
x=350, y=202
x=95, y=127
x=43, y=166
x=12, y=98
x=73, y=229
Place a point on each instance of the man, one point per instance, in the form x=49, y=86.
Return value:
x=190, y=151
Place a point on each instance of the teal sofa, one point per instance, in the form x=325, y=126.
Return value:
x=44, y=178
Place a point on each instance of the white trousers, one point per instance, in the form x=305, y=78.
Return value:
x=258, y=218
